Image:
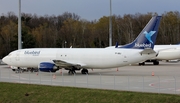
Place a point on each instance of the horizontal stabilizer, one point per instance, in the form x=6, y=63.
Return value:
x=147, y=51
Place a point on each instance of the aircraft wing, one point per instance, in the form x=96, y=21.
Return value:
x=163, y=49
x=62, y=63
x=147, y=51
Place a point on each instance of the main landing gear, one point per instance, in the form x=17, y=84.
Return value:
x=143, y=63
x=72, y=71
x=84, y=71
x=155, y=62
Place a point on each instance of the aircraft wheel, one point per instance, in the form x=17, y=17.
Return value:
x=84, y=71
x=156, y=62
x=72, y=72
x=143, y=63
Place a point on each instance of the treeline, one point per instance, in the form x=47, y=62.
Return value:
x=69, y=29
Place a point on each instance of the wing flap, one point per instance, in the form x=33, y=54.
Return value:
x=62, y=63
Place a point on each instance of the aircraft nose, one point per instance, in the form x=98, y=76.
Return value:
x=5, y=59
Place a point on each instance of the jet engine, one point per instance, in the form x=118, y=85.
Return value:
x=48, y=67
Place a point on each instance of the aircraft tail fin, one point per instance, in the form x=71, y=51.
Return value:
x=147, y=37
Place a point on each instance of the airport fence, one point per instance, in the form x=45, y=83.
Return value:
x=152, y=84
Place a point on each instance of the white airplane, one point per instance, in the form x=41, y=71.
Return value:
x=53, y=59
x=165, y=52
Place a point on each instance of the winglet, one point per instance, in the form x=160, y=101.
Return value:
x=147, y=37
x=116, y=46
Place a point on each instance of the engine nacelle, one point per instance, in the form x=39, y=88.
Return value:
x=47, y=67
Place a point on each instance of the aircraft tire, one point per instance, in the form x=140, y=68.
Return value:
x=156, y=62
x=143, y=63
x=84, y=71
x=72, y=72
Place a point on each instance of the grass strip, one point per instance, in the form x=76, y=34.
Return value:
x=30, y=93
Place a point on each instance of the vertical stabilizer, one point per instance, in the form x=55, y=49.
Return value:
x=147, y=37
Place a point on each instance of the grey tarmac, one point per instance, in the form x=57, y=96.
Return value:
x=163, y=78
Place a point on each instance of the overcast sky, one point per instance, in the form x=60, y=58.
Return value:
x=89, y=9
